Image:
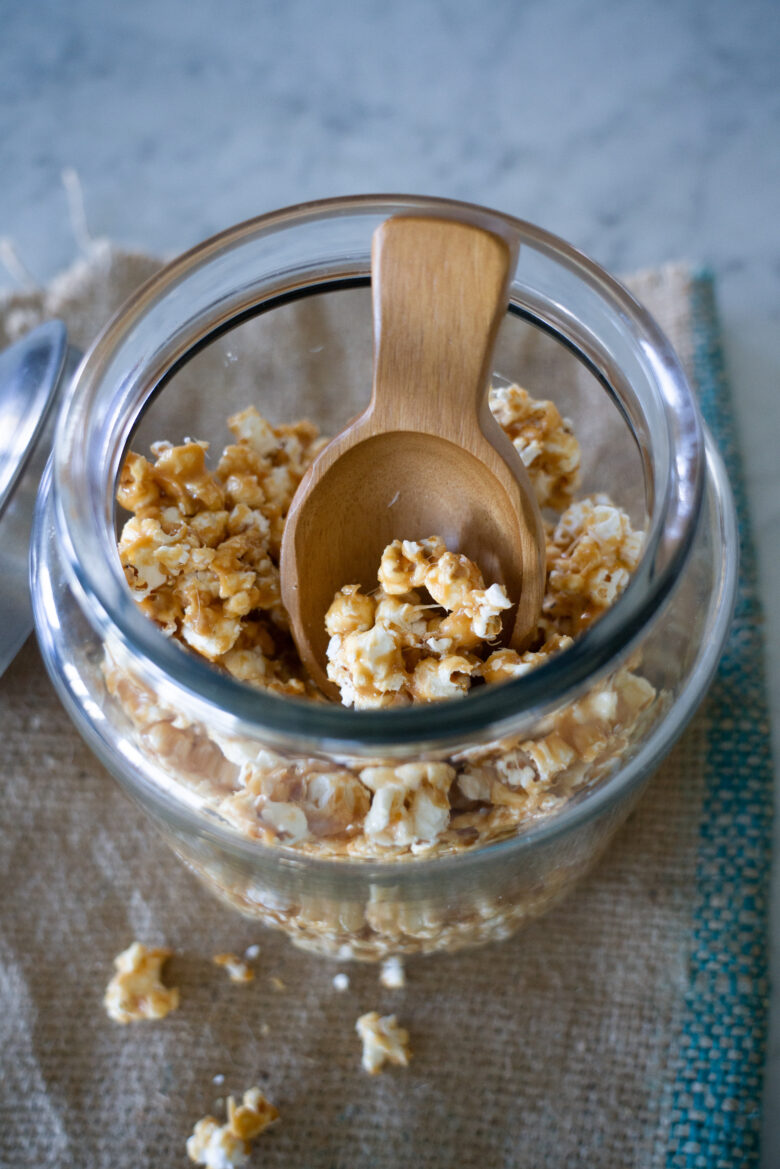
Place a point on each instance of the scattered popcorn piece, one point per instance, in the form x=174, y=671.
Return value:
x=227, y=1146
x=213, y=1145
x=383, y=1041
x=341, y=981
x=252, y=952
x=252, y=1116
x=237, y=970
x=218, y=1079
x=136, y=992
x=392, y=975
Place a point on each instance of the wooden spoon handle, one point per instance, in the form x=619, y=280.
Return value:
x=440, y=290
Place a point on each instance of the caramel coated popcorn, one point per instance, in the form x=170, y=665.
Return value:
x=423, y=636
x=227, y=1146
x=383, y=1042
x=236, y=969
x=201, y=551
x=413, y=640
x=591, y=554
x=136, y=990
x=201, y=556
x=544, y=441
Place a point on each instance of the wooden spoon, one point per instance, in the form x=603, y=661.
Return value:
x=426, y=457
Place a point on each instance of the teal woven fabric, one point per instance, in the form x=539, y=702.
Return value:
x=716, y=1111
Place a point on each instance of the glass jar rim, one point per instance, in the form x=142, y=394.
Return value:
x=86, y=527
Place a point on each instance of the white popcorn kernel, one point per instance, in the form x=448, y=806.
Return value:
x=475, y=784
x=250, y=427
x=237, y=970
x=392, y=974
x=549, y=756
x=410, y=802
x=227, y=1146
x=514, y=768
x=341, y=981
x=529, y=451
x=286, y=819
x=383, y=1042
x=215, y=1147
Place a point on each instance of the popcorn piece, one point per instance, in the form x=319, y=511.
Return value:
x=252, y=1116
x=146, y=552
x=450, y=579
x=295, y=798
x=287, y=820
x=367, y=667
x=227, y=1146
x=392, y=975
x=383, y=1042
x=397, y=649
x=405, y=617
x=350, y=612
x=213, y=1145
x=475, y=784
x=405, y=563
x=237, y=970
x=136, y=992
x=341, y=981
x=183, y=478
x=549, y=755
x=333, y=801
x=544, y=441
x=410, y=802
x=137, y=488
x=590, y=557
x=435, y=679
x=505, y=664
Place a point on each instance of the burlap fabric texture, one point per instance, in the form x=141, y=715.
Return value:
x=625, y=1029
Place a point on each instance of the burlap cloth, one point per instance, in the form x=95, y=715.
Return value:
x=627, y=1028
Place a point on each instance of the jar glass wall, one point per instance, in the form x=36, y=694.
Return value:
x=276, y=313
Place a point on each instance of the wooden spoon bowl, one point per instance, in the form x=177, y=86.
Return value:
x=426, y=457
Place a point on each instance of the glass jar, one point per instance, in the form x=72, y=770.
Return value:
x=277, y=312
